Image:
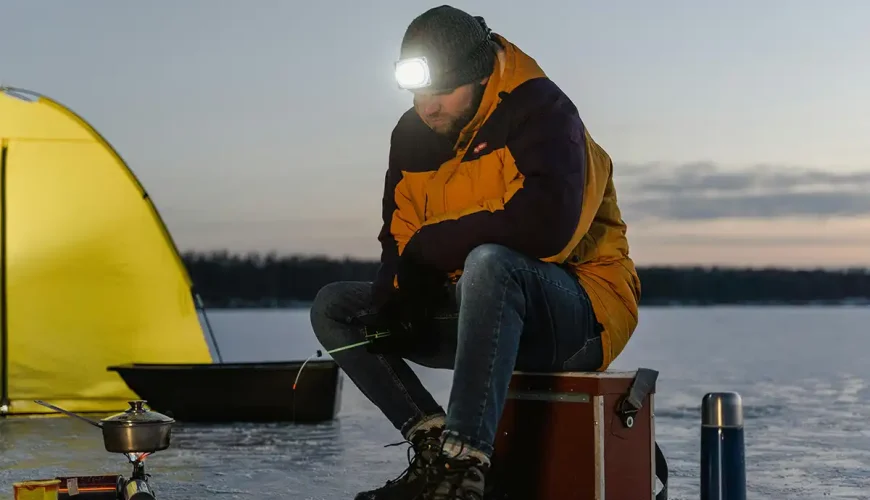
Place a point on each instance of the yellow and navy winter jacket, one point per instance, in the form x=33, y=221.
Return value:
x=525, y=173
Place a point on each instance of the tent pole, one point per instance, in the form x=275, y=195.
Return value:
x=4, y=311
x=201, y=306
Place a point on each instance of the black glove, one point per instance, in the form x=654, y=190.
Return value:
x=389, y=328
x=402, y=324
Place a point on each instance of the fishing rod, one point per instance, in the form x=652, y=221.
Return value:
x=370, y=337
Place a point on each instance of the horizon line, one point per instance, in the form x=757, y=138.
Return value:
x=283, y=255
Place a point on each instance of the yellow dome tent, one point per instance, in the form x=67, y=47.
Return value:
x=89, y=275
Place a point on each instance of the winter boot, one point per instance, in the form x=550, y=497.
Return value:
x=455, y=479
x=426, y=446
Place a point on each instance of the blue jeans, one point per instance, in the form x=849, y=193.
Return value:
x=511, y=312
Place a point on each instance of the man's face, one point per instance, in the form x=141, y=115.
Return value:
x=447, y=113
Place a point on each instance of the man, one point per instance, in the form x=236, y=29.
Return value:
x=503, y=249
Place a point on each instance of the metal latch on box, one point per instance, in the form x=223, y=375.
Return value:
x=627, y=408
x=631, y=403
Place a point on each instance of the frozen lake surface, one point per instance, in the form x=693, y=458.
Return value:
x=802, y=372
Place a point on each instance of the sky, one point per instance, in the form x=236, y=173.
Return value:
x=738, y=130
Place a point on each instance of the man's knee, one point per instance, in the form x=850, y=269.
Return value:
x=490, y=261
x=338, y=303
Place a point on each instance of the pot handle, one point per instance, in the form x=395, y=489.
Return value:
x=69, y=413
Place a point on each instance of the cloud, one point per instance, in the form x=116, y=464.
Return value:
x=704, y=190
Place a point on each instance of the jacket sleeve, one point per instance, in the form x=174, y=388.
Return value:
x=540, y=213
x=399, y=221
x=383, y=282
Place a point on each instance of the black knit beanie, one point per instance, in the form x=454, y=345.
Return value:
x=457, y=45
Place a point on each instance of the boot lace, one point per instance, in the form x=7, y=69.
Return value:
x=447, y=481
x=414, y=457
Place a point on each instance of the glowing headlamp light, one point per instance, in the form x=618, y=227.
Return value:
x=413, y=73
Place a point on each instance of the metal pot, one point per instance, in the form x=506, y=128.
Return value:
x=136, y=430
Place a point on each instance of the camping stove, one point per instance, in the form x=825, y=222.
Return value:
x=110, y=487
x=136, y=487
x=126, y=433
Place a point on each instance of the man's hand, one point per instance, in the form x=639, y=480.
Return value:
x=402, y=324
x=389, y=329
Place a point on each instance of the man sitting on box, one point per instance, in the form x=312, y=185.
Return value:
x=503, y=249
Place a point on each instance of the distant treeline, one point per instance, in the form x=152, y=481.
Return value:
x=226, y=280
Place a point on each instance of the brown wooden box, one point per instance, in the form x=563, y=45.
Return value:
x=561, y=438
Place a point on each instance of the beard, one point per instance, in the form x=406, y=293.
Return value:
x=452, y=131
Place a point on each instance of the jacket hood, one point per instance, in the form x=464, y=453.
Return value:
x=512, y=68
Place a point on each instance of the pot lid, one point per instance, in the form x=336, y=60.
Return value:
x=138, y=414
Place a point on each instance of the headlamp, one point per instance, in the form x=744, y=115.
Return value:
x=413, y=73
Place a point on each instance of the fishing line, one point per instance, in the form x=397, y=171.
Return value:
x=319, y=353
